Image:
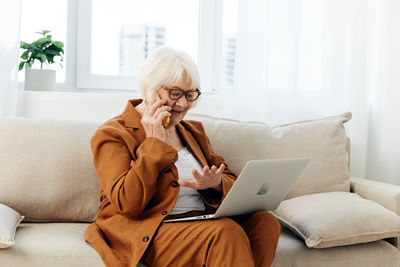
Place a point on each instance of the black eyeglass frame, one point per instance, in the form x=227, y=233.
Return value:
x=183, y=92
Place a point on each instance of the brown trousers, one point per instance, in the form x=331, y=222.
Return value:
x=245, y=240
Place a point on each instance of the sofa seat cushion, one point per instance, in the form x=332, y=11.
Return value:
x=51, y=244
x=292, y=251
x=63, y=244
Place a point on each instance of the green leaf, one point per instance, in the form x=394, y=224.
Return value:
x=43, y=32
x=55, y=48
x=43, y=49
x=52, y=52
x=42, y=41
x=21, y=65
x=34, y=47
x=25, y=55
x=43, y=58
x=58, y=44
x=35, y=54
x=50, y=58
x=24, y=45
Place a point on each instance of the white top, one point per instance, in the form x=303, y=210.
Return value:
x=188, y=198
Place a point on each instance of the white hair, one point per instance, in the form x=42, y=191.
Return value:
x=167, y=65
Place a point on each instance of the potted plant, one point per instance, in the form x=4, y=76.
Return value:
x=43, y=50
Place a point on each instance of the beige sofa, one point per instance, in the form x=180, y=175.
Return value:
x=47, y=175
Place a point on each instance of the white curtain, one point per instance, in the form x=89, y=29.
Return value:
x=305, y=59
x=9, y=48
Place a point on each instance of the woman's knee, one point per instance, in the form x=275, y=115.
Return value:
x=228, y=229
x=267, y=220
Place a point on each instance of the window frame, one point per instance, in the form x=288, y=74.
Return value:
x=69, y=64
x=210, y=27
x=77, y=57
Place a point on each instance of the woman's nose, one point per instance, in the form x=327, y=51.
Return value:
x=182, y=102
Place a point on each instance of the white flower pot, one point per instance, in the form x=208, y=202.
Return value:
x=39, y=80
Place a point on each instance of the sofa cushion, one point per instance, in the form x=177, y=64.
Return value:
x=322, y=140
x=336, y=219
x=63, y=244
x=51, y=244
x=9, y=221
x=292, y=251
x=46, y=170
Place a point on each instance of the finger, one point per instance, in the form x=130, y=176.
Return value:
x=153, y=107
x=161, y=109
x=196, y=174
x=213, y=169
x=162, y=115
x=220, y=169
x=206, y=170
x=187, y=183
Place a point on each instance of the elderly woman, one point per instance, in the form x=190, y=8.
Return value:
x=154, y=165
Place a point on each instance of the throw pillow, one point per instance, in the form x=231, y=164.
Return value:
x=337, y=218
x=323, y=140
x=9, y=221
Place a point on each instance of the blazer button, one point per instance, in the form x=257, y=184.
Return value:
x=145, y=238
x=175, y=184
x=164, y=212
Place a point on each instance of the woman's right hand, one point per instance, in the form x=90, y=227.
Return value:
x=152, y=119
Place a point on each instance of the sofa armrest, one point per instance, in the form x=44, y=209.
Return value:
x=387, y=195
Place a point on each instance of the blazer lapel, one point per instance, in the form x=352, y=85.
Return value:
x=192, y=144
x=132, y=119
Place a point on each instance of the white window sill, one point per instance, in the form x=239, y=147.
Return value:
x=102, y=104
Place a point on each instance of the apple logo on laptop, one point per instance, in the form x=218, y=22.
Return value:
x=263, y=189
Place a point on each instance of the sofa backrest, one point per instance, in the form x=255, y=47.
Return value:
x=323, y=140
x=47, y=171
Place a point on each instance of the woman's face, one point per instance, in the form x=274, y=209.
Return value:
x=179, y=107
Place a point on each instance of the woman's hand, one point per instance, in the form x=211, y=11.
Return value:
x=152, y=119
x=210, y=178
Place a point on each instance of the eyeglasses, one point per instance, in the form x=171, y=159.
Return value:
x=177, y=93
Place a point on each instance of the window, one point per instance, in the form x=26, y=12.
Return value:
x=125, y=31
x=225, y=28
x=33, y=21
x=108, y=41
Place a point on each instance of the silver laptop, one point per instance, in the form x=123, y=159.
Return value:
x=262, y=185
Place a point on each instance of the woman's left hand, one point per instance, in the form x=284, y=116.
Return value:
x=210, y=178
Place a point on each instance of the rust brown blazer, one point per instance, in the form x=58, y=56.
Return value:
x=138, y=183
